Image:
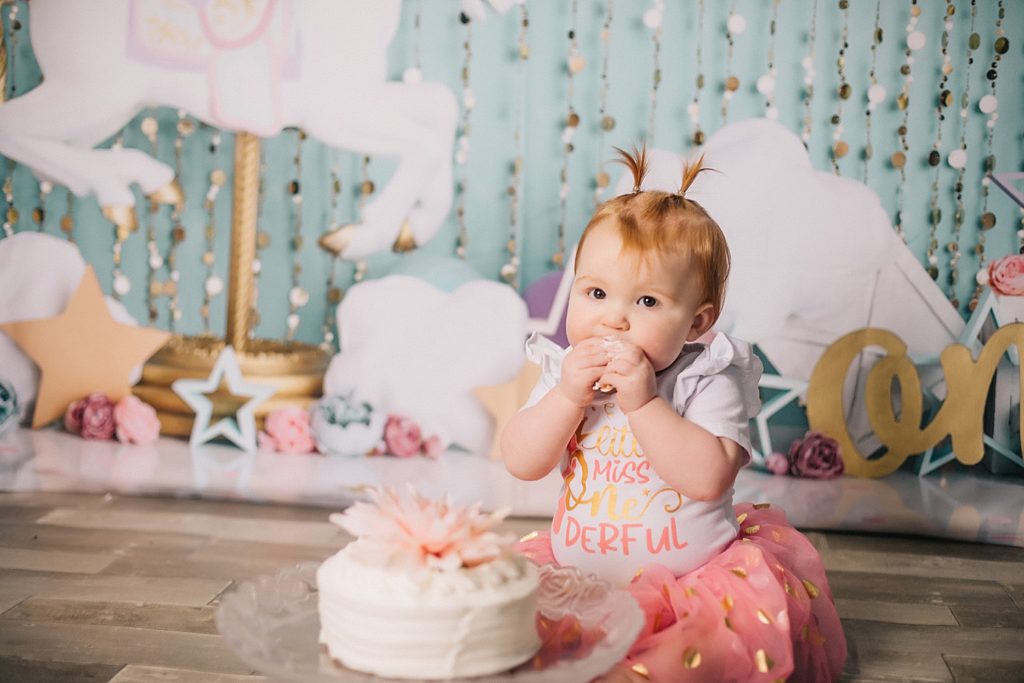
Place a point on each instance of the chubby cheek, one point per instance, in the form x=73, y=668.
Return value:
x=576, y=327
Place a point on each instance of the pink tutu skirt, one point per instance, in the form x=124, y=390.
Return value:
x=761, y=610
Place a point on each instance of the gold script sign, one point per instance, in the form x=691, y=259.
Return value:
x=961, y=415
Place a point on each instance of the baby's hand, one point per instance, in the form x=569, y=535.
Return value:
x=581, y=369
x=632, y=376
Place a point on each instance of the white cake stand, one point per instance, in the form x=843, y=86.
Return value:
x=272, y=623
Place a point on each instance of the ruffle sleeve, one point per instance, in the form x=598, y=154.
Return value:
x=548, y=355
x=718, y=390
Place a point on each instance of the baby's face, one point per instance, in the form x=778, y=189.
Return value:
x=652, y=304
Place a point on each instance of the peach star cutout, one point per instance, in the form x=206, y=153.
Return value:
x=82, y=350
x=503, y=401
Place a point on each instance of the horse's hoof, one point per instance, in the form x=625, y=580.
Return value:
x=122, y=216
x=405, y=241
x=337, y=240
x=171, y=193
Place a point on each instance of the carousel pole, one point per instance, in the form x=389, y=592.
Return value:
x=244, y=206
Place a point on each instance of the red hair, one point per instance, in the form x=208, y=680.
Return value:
x=653, y=221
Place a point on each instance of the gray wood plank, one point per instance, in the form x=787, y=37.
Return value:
x=152, y=617
x=198, y=566
x=892, y=665
x=18, y=670
x=914, y=589
x=304, y=533
x=167, y=591
x=984, y=669
x=52, y=536
x=997, y=643
x=89, y=644
x=917, y=545
x=154, y=674
x=53, y=560
x=895, y=613
x=1016, y=591
x=911, y=564
x=9, y=600
x=21, y=513
x=52, y=499
x=1005, y=616
x=222, y=508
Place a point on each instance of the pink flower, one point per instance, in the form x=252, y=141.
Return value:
x=417, y=532
x=816, y=456
x=97, y=417
x=434, y=446
x=288, y=429
x=136, y=421
x=777, y=463
x=73, y=416
x=402, y=436
x=1006, y=275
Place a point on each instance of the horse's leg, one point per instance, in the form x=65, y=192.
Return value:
x=382, y=121
x=34, y=130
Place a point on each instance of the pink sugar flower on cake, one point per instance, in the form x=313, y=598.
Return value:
x=413, y=530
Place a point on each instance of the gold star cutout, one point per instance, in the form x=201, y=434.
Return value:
x=82, y=350
x=504, y=400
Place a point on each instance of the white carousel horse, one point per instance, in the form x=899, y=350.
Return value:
x=253, y=65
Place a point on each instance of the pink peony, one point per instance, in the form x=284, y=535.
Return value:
x=402, y=437
x=136, y=421
x=1006, y=275
x=417, y=532
x=816, y=456
x=97, y=417
x=777, y=463
x=73, y=416
x=434, y=446
x=288, y=429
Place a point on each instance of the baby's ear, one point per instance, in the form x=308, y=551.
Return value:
x=702, y=321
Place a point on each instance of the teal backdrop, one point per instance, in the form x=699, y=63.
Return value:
x=544, y=104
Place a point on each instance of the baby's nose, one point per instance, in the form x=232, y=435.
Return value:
x=616, y=321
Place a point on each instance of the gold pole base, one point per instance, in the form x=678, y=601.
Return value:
x=294, y=369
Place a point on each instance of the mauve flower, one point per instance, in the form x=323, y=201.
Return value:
x=73, y=416
x=402, y=436
x=97, y=417
x=777, y=463
x=1006, y=275
x=135, y=421
x=289, y=429
x=816, y=456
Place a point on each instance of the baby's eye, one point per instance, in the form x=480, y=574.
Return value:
x=647, y=301
x=597, y=293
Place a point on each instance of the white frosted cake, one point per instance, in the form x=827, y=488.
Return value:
x=426, y=590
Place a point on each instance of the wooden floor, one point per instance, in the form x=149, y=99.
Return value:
x=103, y=588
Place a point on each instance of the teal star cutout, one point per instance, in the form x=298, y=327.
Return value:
x=240, y=428
x=793, y=389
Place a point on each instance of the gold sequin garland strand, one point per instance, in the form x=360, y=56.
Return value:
x=297, y=294
x=735, y=25
x=10, y=212
x=39, y=213
x=958, y=159
x=414, y=73
x=510, y=270
x=915, y=41
x=876, y=91
x=988, y=105
x=334, y=292
x=67, y=221
x=120, y=284
x=262, y=242
x=184, y=128
x=766, y=82
x=653, y=19
x=693, y=110
x=575, y=64
x=463, y=142
x=366, y=188
x=945, y=98
x=213, y=285
x=607, y=121
x=809, y=73
x=154, y=260
x=839, y=146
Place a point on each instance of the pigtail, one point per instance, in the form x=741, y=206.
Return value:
x=690, y=173
x=636, y=163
